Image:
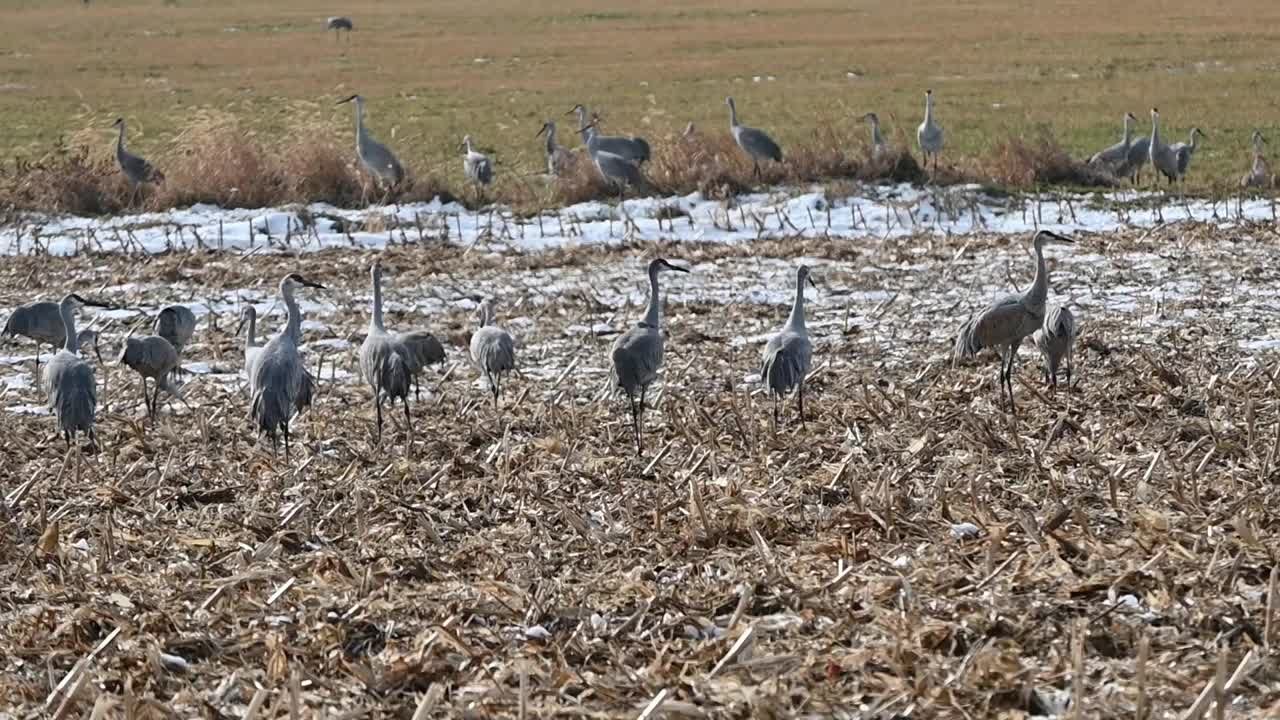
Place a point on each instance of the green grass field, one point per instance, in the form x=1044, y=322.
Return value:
x=496, y=68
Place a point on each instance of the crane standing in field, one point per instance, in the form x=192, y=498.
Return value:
x=558, y=158
x=1184, y=151
x=635, y=149
x=1259, y=174
x=929, y=135
x=1116, y=157
x=1162, y=157
x=384, y=360
x=637, y=353
x=788, y=354
x=374, y=157
x=1011, y=318
x=152, y=357
x=136, y=170
x=177, y=324
x=754, y=142
x=424, y=349
x=253, y=351
x=617, y=170
x=492, y=349
x=477, y=166
x=337, y=25
x=1056, y=341
x=42, y=322
x=69, y=380
x=279, y=379
x=878, y=146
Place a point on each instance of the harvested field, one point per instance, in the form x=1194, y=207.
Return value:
x=911, y=552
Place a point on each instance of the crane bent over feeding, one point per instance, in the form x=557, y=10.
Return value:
x=69, y=380
x=1056, y=341
x=493, y=351
x=788, y=354
x=637, y=353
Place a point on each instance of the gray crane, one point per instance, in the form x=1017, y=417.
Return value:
x=878, y=146
x=754, y=142
x=1184, y=151
x=1259, y=174
x=1056, y=341
x=176, y=323
x=634, y=149
x=788, y=354
x=929, y=134
x=42, y=322
x=279, y=380
x=374, y=157
x=424, y=349
x=253, y=351
x=1139, y=154
x=492, y=349
x=1162, y=157
x=477, y=166
x=558, y=158
x=337, y=24
x=1116, y=157
x=136, y=169
x=384, y=360
x=1005, y=323
x=69, y=380
x=637, y=353
x=617, y=170
x=154, y=357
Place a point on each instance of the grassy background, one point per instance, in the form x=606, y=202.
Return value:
x=496, y=68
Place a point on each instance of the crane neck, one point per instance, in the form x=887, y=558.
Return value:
x=796, y=320
x=1038, y=293
x=359, y=122
x=293, y=326
x=875, y=133
x=1128, y=132
x=928, y=109
x=375, y=321
x=120, y=140
x=551, y=139
x=251, y=328
x=67, y=310
x=1155, y=130
x=651, y=315
x=733, y=114
x=1195, y=138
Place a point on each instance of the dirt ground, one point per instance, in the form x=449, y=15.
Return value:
x=911, y=550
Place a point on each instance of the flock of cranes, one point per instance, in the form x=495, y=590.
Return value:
x=390, y=362
x=619, y=160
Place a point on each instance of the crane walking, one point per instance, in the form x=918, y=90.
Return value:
x=152, y=357
x=637, y=353
x=1056, y=341
x=492, y=349
x=754, y=142
x=384, y=360
x=69, y=380
x=137, y=170
x=929, y=135
x=279, y=380
x=374, y=157
x=1011, y=318
x=424, y=349
x=788, y=354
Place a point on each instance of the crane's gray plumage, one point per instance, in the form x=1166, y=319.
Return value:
x=42, y=322
x=1056, y=341
x=279, y=381
x=1259, y=174
x=634, y=149
x=175, y=323
x=384, y=360
x=476, y=165
x=1116, y=157
x=878, y=146
x=929, y=134
x=1162, y=157
x=69, y=380
x=1184, y=151
x=136, y=169
x=374, y=157
x=637, y=353
x=788, y=354
x=424, y=349
x=558, y=158
x=1139, y=154
x=253, y=351
x=1011, y=318
x=754, y=142
x=338, y=24
x=151, y=357
x=492, y=349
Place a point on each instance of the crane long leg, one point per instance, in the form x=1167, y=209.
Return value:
x=285, y=427
x=635, y=421
x=146, y=397
x=378, y=404
x=800, y=400
x=155, y=401
x=408, y=419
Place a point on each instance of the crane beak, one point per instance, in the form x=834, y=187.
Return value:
x=812, y=283
x=541, y=130
x=1062, y=238
x=240, y=325
x=574, y=110
x=677, y=268
x=347, y=100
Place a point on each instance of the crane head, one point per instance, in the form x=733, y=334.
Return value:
x=1130, y=116
x=297, y=280
x=1198, y=131
x=546, y=127
x=803, y=275
x=118, y=123
x=871, y=118
x=1044, y=236
x=659, y=264
x=349, y=99
x=1257, y=137
x=579, y=109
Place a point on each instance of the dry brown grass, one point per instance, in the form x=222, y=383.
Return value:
x=1017, y=163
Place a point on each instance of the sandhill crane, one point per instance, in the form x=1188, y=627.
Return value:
x=1259, y=174
x=477, y=166
x=253, y=351
x=1162, y=157
x=1184, y=151
x=1116, y=156
x=929, y=134
x=337, y=25
x=424, y=349
x=878, y=145
x=788, y=354
x=176, y=323
x=1139, y=154
x=42, y=322
x=384, y=360
x=152, y=357
x=492, y=349
x=754, y=142
x=617, y=170
x=634, y=149
x=1006, y=322
x=637, y=353
x=1056, y=340
x=374, y=157
x=69, y=380
x=558, y=158
x=137, y=170
x=279, y=380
